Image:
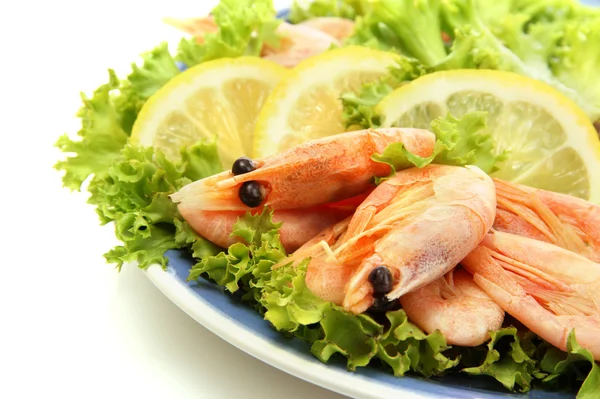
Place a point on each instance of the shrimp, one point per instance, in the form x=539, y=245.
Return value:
x=297, y=42
x=547, y=288
x=456, y=306
x=317, y=172
x=309, y=187
x=298, y=227
x=197, y=27
x=559, y=219
x=417, y=225
x=339, y=28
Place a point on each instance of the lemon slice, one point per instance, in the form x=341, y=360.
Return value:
x=219, y=98
x=551, y=143
x=306, y=104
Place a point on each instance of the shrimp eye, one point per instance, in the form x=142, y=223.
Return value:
x=381, y=280
x=243, y=165
x=251, y=194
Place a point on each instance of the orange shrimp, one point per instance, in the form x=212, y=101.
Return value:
x=418, y=224
x=547, y=288
x=313, y=173
x=559, y=219
x=309, y=187
x=456, y=306
x=298, y=227
x=297, y=42
x=339, y=28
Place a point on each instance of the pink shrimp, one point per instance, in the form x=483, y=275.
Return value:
x=456, y=306
x=299, y=181
x=298, y=227
x=418, y=224
x=565, y=221
x=297, y=42
x=339, y=28
x=547, y=288
x=559, y=219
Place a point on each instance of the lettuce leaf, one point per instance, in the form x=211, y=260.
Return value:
x=508, y=360
x=134, y=195
x=245, y=265
x=350, y=9
x=575, y=62
x=107, y=118
x=577, y=364
x=102, y=137
x=459, y=142
x=244, y=26
x=411, y=27
x=359, y=108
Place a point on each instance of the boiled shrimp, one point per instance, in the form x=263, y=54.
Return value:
x=336, y=172
x=559, y=219
x=339, y=28
x=547, y=288
x=456, y=306
x=298, y=225
x=297, y=42
x=317, y=172
x=562, y=220
x=417, y=225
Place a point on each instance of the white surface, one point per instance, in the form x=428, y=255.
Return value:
x=70, y=324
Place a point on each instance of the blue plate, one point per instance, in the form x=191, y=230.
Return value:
x=244, y=328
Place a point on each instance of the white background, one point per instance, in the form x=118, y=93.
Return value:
x=70, y=324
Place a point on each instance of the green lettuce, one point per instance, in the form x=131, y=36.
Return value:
x=246, y=264
x=562, y=369
x=107, y=118
x=359, y=108
x=411, y=27
x=350, y=9
x=510, y=49
x=509, y=360
x=244, y=26
x=576, y=59
x=459, y=142
x=134, y=195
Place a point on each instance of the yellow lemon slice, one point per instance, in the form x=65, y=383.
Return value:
x=552, y=144
x=219, y=98
x=306, y=104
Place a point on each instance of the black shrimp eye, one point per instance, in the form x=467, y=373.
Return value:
x=251, y=194
x=243, y=165
x=381, y=280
